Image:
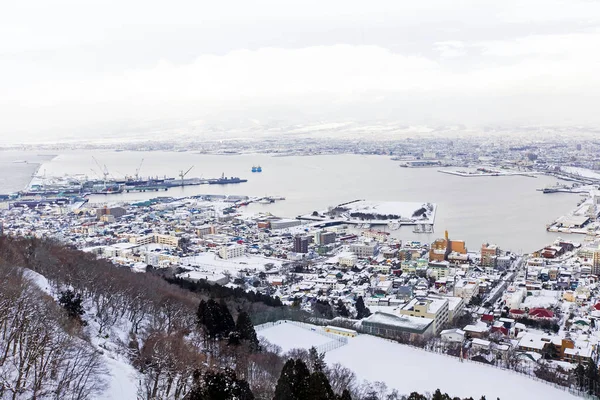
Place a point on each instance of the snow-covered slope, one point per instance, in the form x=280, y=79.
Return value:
x=122, y=377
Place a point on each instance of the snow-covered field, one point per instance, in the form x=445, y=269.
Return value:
x=289, y=336
x=407, y=369
x=211, y=262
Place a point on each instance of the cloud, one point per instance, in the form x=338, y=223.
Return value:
x=473, y=62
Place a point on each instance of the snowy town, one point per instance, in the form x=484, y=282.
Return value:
x=534, y=313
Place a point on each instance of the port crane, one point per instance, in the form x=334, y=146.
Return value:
x=137, y=171
x=183, y=174
x=102, y=169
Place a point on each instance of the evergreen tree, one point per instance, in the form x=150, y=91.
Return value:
x=580, y=376
x=341, y=309
x=591, y=374
x=323, y=309
x=227, y=324
x=211, y=319
x=437, y=395
x=284, y=389
x=319, y=387
x=416, y=396
x=317, y=361
x=345, y=395
x=217, y=385
x=214, y=319
x=201, y=313
x=72, y=303
x=361, y=310
x=293, y=382
x=301, y=377
x=245, y=329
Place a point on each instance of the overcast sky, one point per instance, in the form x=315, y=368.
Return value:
x=82, y=67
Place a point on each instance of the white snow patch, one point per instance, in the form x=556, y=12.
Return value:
x=542, y=299
x=408, y=369
x=289, y=336
x=122, y=382
x=583, y=172
x=210, y=262
x=39, y=280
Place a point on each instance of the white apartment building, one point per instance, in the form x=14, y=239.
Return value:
x=434, y=308
x=231, y=251
x=364, y=250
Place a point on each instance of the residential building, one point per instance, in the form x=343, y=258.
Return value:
x=489, y=254
x=206, y=229
x=117, y=212
x=453, y=335
x=376, y=235
x=157, y=238
x=300, y=244
x=324, y=238
x=364, y=249
x=466, y=288
x=231, y=251
x=433, y=308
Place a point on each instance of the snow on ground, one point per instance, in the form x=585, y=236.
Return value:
x=38, y=279
x=403, y=209
x=584, y=172
x=122, y=381
x=407, y=369
x=289, y=336
x=543, y=299
x=211, y=262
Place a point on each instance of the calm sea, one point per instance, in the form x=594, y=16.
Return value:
x=507, y=211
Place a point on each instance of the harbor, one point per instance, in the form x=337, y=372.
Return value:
x=458, y=200
x=486, y=172
x=80, y=185
x=582, y=220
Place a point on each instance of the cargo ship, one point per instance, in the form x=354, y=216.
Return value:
x=224, y=180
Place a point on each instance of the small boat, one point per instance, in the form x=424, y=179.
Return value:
x=259, y=169
x=254, y=169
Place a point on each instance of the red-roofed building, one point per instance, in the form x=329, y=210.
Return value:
x=500, y=328
x=540, y=313
x=597, y=306
x=516, y=313
x=487, y=318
